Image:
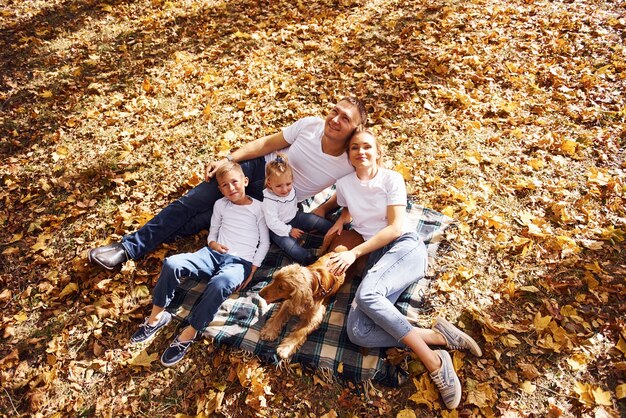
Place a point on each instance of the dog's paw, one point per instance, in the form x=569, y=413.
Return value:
x=269, y=333
x=285, y=351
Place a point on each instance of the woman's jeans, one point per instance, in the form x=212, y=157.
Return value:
x=222, y=272
x=373, y=320
x=191, y=213
x=307, y=222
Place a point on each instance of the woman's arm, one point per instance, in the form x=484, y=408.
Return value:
x=257, y=148
x=340, y=262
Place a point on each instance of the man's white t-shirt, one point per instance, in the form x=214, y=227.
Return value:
x=313, y=171
x=279, y=210
x=241, y=228
x=367, y=201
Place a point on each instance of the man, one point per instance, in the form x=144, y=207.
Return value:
x=316, y=150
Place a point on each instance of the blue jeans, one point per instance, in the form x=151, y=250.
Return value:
x=191, y=213
x=222, y=272
x=307, y=222
x=373, y=320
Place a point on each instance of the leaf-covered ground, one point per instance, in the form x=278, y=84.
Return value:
x=509, y=116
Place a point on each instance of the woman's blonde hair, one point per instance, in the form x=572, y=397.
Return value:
x=277, y=167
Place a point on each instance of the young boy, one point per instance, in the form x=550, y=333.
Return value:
x=238, y=242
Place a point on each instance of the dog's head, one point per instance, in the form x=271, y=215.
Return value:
x=288, y=282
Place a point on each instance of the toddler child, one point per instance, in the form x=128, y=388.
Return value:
x=237, y=243
x=280, y=207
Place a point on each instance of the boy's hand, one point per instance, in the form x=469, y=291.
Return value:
x=296, y=233
x=216, y=246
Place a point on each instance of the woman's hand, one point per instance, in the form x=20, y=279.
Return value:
x=296, y=233
x=220, y=248
x=339, y=262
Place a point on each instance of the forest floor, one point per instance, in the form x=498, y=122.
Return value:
x=509, y=116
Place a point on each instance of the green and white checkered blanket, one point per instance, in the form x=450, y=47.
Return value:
x=241, y=317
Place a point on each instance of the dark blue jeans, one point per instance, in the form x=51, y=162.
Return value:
x=307, y=222
x=191, y=213
x=222, y=272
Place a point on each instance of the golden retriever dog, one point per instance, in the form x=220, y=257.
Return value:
x=304, y=290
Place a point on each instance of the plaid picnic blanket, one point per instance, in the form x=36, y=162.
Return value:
x=241, y=317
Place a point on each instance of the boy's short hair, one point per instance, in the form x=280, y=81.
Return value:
x=226, y=167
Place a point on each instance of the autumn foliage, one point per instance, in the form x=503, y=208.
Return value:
x=509, y=116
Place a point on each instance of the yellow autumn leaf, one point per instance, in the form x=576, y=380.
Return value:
x=620, y=391
x=528, y=387
x=404, y=170
x=426, y=393
x=577, y=361
x=621, y=345
x=143, y=359
x=10, y=251
x=398, y=71
x=140, y=292
x=146, y=86
x=601, y=397
x=569, y=147
x=20, y=317
x=239, y=34
x=482, y=395
x=509, y=340
x=69, y=288
x=42, y=242
x=536, y=163
x=541, y=322
x=46, y=94
x=473, y=157
x=406, y=413
x=583, y=390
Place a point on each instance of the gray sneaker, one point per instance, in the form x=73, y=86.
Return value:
x=447, y=381
x=455, y=338
x=147, y=331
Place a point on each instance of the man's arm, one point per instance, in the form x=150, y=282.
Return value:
x=254, y=149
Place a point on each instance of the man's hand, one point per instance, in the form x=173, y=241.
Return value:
x=210, y=168
x=296, y=233
x=216, y=246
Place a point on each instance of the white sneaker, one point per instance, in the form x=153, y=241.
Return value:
x=447, y=381
x=455, y=338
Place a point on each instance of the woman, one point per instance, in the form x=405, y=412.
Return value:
x=374, y=200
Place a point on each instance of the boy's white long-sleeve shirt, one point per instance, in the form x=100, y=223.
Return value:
x=279, y=210
x=241, y=228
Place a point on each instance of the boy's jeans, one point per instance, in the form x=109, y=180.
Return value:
x=373, y=320
x=307, y=222
x=191, y=213
x=222, y=272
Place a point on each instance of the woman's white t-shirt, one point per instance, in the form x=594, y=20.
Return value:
x=367, y=201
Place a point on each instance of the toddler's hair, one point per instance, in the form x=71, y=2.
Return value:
x=226, y=167
x=278, y=166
